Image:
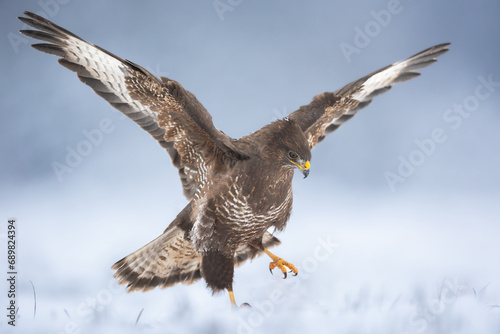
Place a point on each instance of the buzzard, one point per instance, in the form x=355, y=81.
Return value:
x=237, y=188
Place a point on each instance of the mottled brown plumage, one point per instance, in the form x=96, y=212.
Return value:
x=237, y=189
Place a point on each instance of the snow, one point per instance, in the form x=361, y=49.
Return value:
x=359, y=272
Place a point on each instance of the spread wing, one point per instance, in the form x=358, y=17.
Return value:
x=162, y=107
x=328, y=111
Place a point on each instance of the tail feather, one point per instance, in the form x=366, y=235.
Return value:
x=171, y=259
x=165, y=261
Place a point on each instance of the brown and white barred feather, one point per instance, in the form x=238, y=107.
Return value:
x=171, y=259
x=172, y=115
x=328, y=111
x=165, y=261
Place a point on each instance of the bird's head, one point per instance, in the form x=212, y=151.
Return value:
x=293, y=147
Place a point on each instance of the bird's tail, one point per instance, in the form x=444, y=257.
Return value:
x=165, y=261
x=171, y=259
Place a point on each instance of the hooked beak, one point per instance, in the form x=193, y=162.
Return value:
x=305, y=169
x=305, y=172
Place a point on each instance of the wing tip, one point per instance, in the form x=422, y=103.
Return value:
x=50, y=49
x=32, y=18
x=30, y=14
x=434, y=51
x=441, y=46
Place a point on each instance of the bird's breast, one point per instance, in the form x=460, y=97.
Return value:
x=238, y=210
x=255, y=203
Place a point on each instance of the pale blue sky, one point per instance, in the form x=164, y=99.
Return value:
x=264, y=60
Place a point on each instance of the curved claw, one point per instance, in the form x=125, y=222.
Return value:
x=280, y=264
x=245, y=306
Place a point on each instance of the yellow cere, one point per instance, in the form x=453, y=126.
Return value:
x=306, y=166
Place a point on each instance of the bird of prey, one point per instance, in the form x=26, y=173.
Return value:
x=237, y=188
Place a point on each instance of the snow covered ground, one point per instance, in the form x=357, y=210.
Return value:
x=420, y=267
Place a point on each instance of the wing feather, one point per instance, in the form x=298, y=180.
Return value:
x=328, y=111
x=162, y=107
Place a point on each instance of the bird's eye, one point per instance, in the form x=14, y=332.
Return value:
x=293, y=155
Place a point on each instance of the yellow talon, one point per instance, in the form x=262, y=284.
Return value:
x=281, y=264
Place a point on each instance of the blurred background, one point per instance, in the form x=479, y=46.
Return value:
x=395, y=230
